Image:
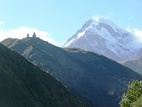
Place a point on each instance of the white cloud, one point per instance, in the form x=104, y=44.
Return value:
x=97, y=17
x=138, y=34
x=1, y=23
x=131, y=18
x=128, y=30
x=22, y=32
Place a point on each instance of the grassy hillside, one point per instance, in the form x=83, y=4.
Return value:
x=24, y=85
x=94, y=78
x=134, y=64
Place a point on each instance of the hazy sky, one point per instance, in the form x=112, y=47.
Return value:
x=57, y=20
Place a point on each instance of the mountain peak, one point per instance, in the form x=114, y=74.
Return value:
x=100, y=19
x=102, y=36
x=97, y=20
x=104, y=20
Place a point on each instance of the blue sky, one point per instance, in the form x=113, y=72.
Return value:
x=58, y=20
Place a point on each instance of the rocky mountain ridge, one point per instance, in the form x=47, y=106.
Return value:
x=24, y=85
x=95, y=79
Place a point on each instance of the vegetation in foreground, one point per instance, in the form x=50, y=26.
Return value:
x=133, y=97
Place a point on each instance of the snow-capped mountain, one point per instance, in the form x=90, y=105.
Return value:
x=104, y=37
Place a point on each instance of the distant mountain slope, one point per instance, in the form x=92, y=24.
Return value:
x=134, y=64
x=96, y=79
x=24, y=85
x=104, y=37
x=139, y=52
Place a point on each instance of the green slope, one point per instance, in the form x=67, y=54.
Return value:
x=94, y=78
x=134, y=64
x=24, y=85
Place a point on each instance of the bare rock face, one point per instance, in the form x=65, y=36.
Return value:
x=104, y=37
